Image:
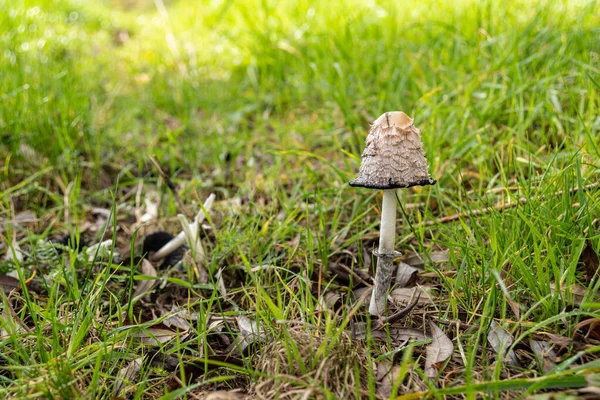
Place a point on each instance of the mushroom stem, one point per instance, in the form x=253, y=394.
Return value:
x=385, y=255
x=388, y=222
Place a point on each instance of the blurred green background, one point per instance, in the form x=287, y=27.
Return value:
x=96, y=82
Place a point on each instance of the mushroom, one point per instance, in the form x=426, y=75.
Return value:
x=393, y=158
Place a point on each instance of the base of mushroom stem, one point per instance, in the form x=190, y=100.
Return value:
x=383, y=280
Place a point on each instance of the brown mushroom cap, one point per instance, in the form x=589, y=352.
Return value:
x=393, y=155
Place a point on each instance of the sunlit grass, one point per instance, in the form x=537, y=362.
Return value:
x=269, y=102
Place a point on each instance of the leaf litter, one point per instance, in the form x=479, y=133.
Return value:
x=501, y=342
x=438, y=352
x=166, y=315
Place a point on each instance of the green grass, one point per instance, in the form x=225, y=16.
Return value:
x=267, y=104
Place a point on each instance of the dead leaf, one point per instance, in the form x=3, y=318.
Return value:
x=25, y=218
x=12, y=324
x=155, y=336
x=593, y=387
x=249, y=332
x=223, y=395
x=9, y=283
x=359, y=332
x=589, y=261
x=405, y=274
x=407, y=295
x=557, y=340
x=439, y=351
x=383, y=368
x=514, y=306
x=361, y=293
x=544, y=354
x=501, y=340
x=419, y=260
x=127, y=374
x=590, y=328
x=329, y=300
x=143, y=286
x=390, y=374
x=573, y=294
x=175, y=321
x=14, y=254
x=221, y=284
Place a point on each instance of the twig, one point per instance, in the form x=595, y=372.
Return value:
x=505, y=206
x=382, y=321
x=170, y=184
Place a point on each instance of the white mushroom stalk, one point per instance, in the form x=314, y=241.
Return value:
x=181, y=238
x=393, y=158
x=385, y=254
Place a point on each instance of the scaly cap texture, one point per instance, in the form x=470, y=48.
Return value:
x=393, y=155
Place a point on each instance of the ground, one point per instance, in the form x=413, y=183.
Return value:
x=116, y=116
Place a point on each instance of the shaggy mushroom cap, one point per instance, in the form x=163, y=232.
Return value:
x=393, y=156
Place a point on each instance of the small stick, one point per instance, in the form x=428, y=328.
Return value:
x=381, y=322
x=170, y=184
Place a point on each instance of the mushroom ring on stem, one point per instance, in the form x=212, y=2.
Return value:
x=393, y=158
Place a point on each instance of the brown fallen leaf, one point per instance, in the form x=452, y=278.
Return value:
x=419, y=260
x=250, y=332
x=127, y=374
x=383, y=367
x=590, y=328
x=439, y=351
x=359, y=332
x=544, y=354
x=25, y=219
x=405, y=296
x=156, y=336
x=361, y=294
x=557, y=340
x=175, y=321
x=11, y=323
x=514, y=306
x=330, y=300
x=14, y=254
x=223, y=395
x=573, y=294
x=501, y=340
x=9, y=283
x=589, y=261
x=405, y=274
x=390, y=373
x=143, y=286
